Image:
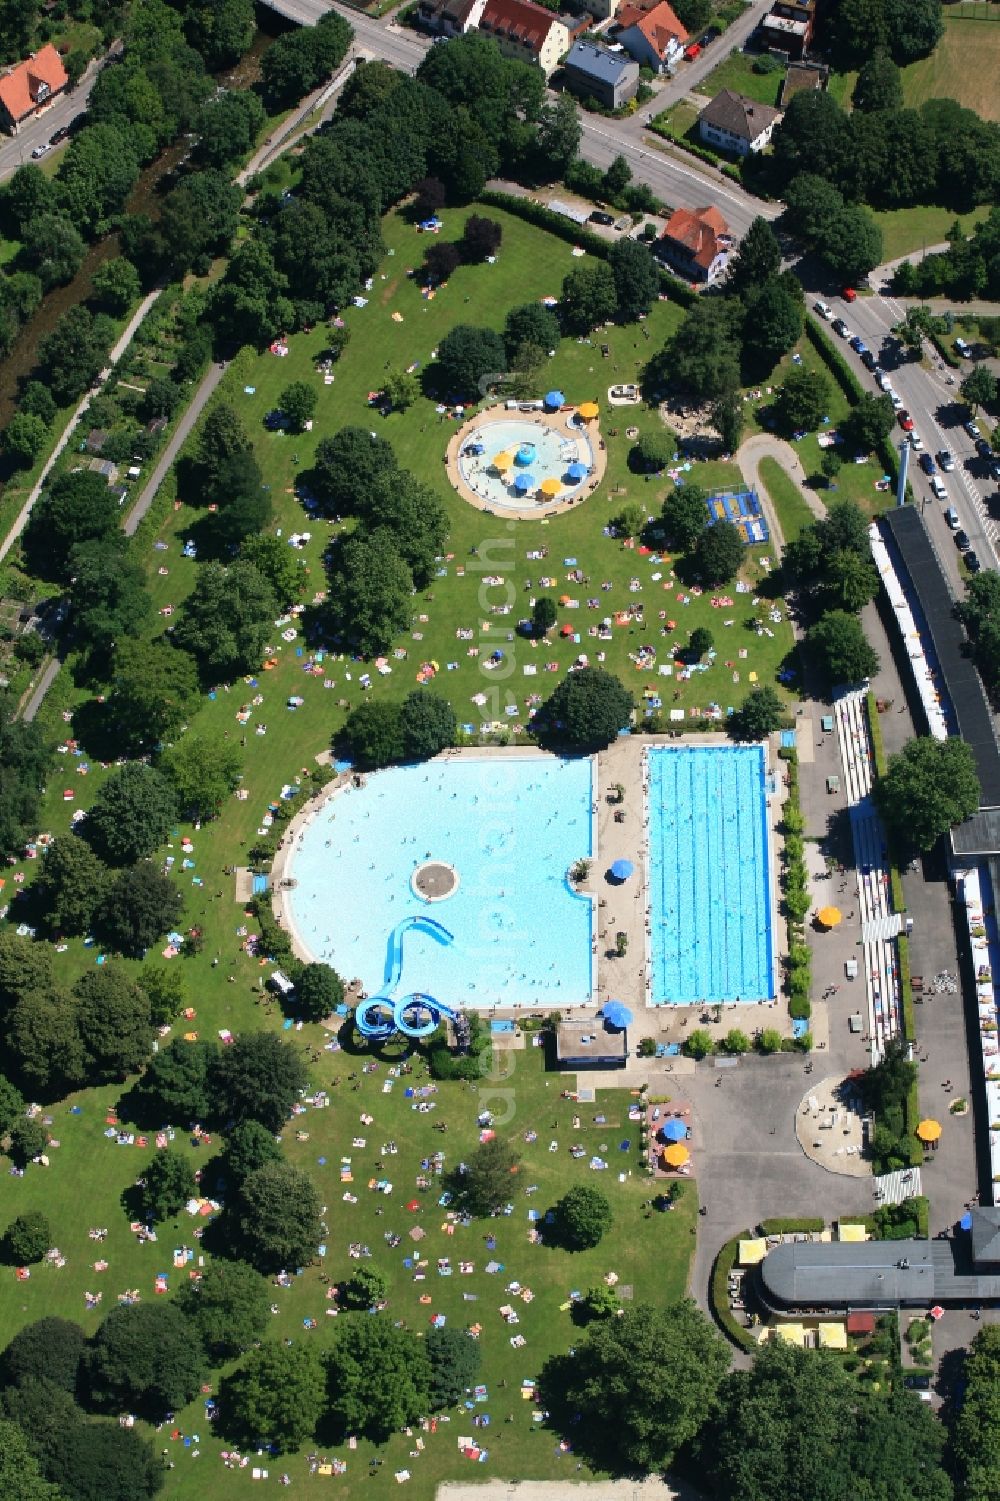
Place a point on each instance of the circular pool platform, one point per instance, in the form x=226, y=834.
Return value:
x=434, y=881
x=526, y=464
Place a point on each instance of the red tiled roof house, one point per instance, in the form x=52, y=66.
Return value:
x=697, y=243
x=26, y=88
x=654, y=37
x=526, y=32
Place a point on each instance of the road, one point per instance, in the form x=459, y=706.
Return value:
x=938, y=413
x=15, y=151
x=194, y=409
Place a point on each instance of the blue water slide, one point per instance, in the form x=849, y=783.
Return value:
x=416, y=1015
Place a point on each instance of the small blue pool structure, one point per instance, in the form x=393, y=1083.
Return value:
x=531, y=453
x=744, y=510
x=709, y=875
x=501, y=923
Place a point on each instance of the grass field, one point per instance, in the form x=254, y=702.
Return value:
x=905, y=230
x=793, y=513
x=737, y=73
x=964, y=65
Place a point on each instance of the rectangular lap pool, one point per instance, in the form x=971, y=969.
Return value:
x=709, y=875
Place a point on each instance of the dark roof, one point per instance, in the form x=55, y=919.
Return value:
x=978, y=835
x=961, y=680
x=739, y=115
x=573, y=1044
x=866, y=1274
x=598, y=62
x=985, y=1236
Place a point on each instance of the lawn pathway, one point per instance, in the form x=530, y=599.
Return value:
x=763, y=446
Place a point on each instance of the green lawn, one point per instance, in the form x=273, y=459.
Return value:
x=793, y=513
x=906, y=230
x=737, y=73
x=8, y=250
x=964, y=65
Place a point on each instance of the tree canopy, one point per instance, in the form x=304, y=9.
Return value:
x=379, y=1377
x=231, y=1305
x=455, y=1360
x=759, y=715
x=718, y=553
x=842, y=649
x=131, y=814
x=488, y=1180
x=277, y=1218
x=275, y=1396
x=145, y=1358
x=930, y=786
x=258, y=1077
x=583, y=1218
x=227, y=620
x=587, y=711
x=467, y=354
x=168, y=1183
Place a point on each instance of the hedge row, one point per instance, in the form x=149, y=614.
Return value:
x=906, y=988
x=795, y=880
x=849, y=384
x=792, y=1226
x=719, y=1294
x=946, y=353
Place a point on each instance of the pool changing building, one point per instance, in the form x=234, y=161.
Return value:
x=876, y=1276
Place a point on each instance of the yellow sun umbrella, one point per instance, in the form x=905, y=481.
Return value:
x=550, y=486
x=502, y=460
x=830, y=916
x=589, y=411
x=929, y=1130
x=676, y=1155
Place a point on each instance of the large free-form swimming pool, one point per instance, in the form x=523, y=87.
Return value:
x=511, y=828
x=709, y=875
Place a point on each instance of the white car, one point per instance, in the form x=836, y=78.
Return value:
x=824, y=310
x=895, y=398
x=963, y=349
x=883, y=382
x=916, y=443
x=938, y=487
x=41, y=150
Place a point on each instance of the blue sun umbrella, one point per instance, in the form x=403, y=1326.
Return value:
x=554, y=399
x=965, y=1223
x=525, y=454
x=673, y=1130
x=576, y=471
x=621, y=870
x=616, y=1015
x=525, y=482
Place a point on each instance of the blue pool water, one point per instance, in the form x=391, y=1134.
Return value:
x=511, y=828
x=553, y=454
x=709, y=875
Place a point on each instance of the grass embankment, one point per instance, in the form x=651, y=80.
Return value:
x=792, y=512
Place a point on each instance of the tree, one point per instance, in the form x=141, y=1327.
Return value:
x=347, y=466
x=154, y=691
x=12, y=1105
x=146, y=1358
x=275, y=1397
x=72, y=355
x=23, y=438
x=222, y=436
x=980, y=387
x=167, y=991
x=109, y=598
x=300, y=60
x=636, y=276
x=51, y=1348
x=759, y=715
x=21, y=1476
x=588, y=710
x=758, y=260
x=718, y=553
x=131, y=814
x=831, y=464
x=298, y=404
x=37, y=399
x=374, y=733
x=774, y=318
x=589, y=297
x=975, y=1435
x=879, y=85
x=112, y=1014
x=852, y=245
x=25, y=967
x=455, y=1359
x=487, y=1181
x=842, y=649
x=980, y=614
x=379, y=1377
x=481, y=238
x=652, y=451
x=530, y=324
x=28, y=1238
x=116, y=285
x=96, y=175
x=227, y=127
x=83, y=1459
x=28, y=1140
x=227, y=620
x=277, y=563
x=430, y=194
x=811, y=206
x=930, y=786
x=618, y=1360
x=222, y=31
x=277, y=1218
x=166, y=1185
x=703, y=356
x=258, y=1078
x=701, y=642
x=370, y=591
x=230, y=1304
x=543, y=615
x=698, y=1044
x=728, y=420
x=71, y=885
x=868, y=423
x=685, y=516
x=414, y=516
x=583, y=1218
x=558, y=136
x=466, y=355
x=53, y=249
x=428, y=724
x=44, y=1042
x=175, y=1086
x=249, y=1147
x=319, y=990
x=203, y=769
x=364, y=1289
x=400, y=389
x=442, y=259
x=73, y=509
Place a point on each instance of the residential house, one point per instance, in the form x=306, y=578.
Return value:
x=449, y=18
x=802, y=78
x=732, y=122
x=594, y=72
x=96, y=439
x=603, y=10
x=654, y=37
x=105, y=468
x=29, y=86
x=788, y=27
x=697, y=243
x=526, y=32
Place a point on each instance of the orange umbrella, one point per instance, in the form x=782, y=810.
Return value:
x=830, y=917
x=929, y=1130
x=589, y=411
x=550, y=486
x=676, y=1155
x=502, y=460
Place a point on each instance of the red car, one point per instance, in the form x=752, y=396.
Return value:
x=849, y=294
x=905, y=420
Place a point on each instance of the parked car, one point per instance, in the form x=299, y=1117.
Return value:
x=916, y=442
x=951, y=518
x=946, y=461
x=600, y=217
x=824, y=309
x=962, y=540
x=995, y=469
x=59, y=135
x=895, y=398
x=858, y=343
x=841, y=328
x=972, y=428
x=938, y=487
x=963, y=349
x=849, y=294
x=928, y=465
x=41, y=150
x=983, y=449
x=905, y=420
x=972, y=562
x=917, y=1383
x=881, y=379
x=868, y=359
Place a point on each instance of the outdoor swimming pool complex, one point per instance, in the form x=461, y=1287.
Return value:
x=709, y=875
x=510, y=830
x=535, y=452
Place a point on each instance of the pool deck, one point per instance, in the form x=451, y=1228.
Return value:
x=535, y=510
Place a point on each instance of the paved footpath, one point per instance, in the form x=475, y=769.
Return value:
x=196, y=406
x=763, y=446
